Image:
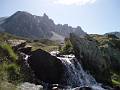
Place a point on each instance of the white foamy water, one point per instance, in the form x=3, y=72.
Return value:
x=75, y=75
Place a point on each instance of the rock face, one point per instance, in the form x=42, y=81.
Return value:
x=1, y=29
x=36, y=27
x=2, y=19
x=90, y=56
x=117, y=34
x=47, y=68
x=110, y=46
x=65, y=30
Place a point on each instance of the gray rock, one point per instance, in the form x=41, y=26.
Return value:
x=117, y=34
x=91, y=58
x=29, y=86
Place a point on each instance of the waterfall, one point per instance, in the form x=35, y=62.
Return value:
x=75, y=76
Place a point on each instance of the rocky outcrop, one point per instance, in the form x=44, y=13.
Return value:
x=47, y=68
x=65, y=30
x=114, y=58
x=21, y=46
x=110, y=47
x=88, y=53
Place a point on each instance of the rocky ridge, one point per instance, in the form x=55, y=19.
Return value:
x=31, y=26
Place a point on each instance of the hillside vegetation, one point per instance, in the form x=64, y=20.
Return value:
x=110, y=47
x=44, y=44
x=11, y=73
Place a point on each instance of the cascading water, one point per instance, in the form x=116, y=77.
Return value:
x=75, y=75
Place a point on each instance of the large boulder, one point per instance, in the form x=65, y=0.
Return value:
x=46, y=67
x=91, y=58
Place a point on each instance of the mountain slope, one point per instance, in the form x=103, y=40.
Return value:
x=26, y=25
x=2, y=19
x=57, y=37
x=36, y=27
x=65, y=30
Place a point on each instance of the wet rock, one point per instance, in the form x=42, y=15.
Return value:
x=22, y=47
x=83, y=88
x=29, y=86
x=27, y=49
x=57, y=87
x=26, y=70
x=46, y=67
x=90, y=56
x=116, y=88
x=107, y=87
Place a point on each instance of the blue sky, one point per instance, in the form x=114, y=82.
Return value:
x=94, y=16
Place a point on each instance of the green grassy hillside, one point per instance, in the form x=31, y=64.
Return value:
x=44, y=44
x=110, y=47
x=10, y=66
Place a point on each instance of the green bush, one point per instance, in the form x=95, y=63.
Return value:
x=3, y=73
x=67, y=48
x=8, y=51
x=9, y=68
x=10, y=72
x=13, y=71
x=115, y=79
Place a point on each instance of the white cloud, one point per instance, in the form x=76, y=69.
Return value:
x=74, y=2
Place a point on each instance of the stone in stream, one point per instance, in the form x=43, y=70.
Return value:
x=116, y=88
x=29, y=86
x=83, y=88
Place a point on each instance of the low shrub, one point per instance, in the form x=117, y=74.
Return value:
x=8, y=51
x=10, y=73
x=67, y=48
x=13, y=71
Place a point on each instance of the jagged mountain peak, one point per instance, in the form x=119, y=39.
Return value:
x=21, y=13
x=45, y=15
x=36, y=27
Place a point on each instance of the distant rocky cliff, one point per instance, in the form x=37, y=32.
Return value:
x=117, y=34
x=37, y=27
